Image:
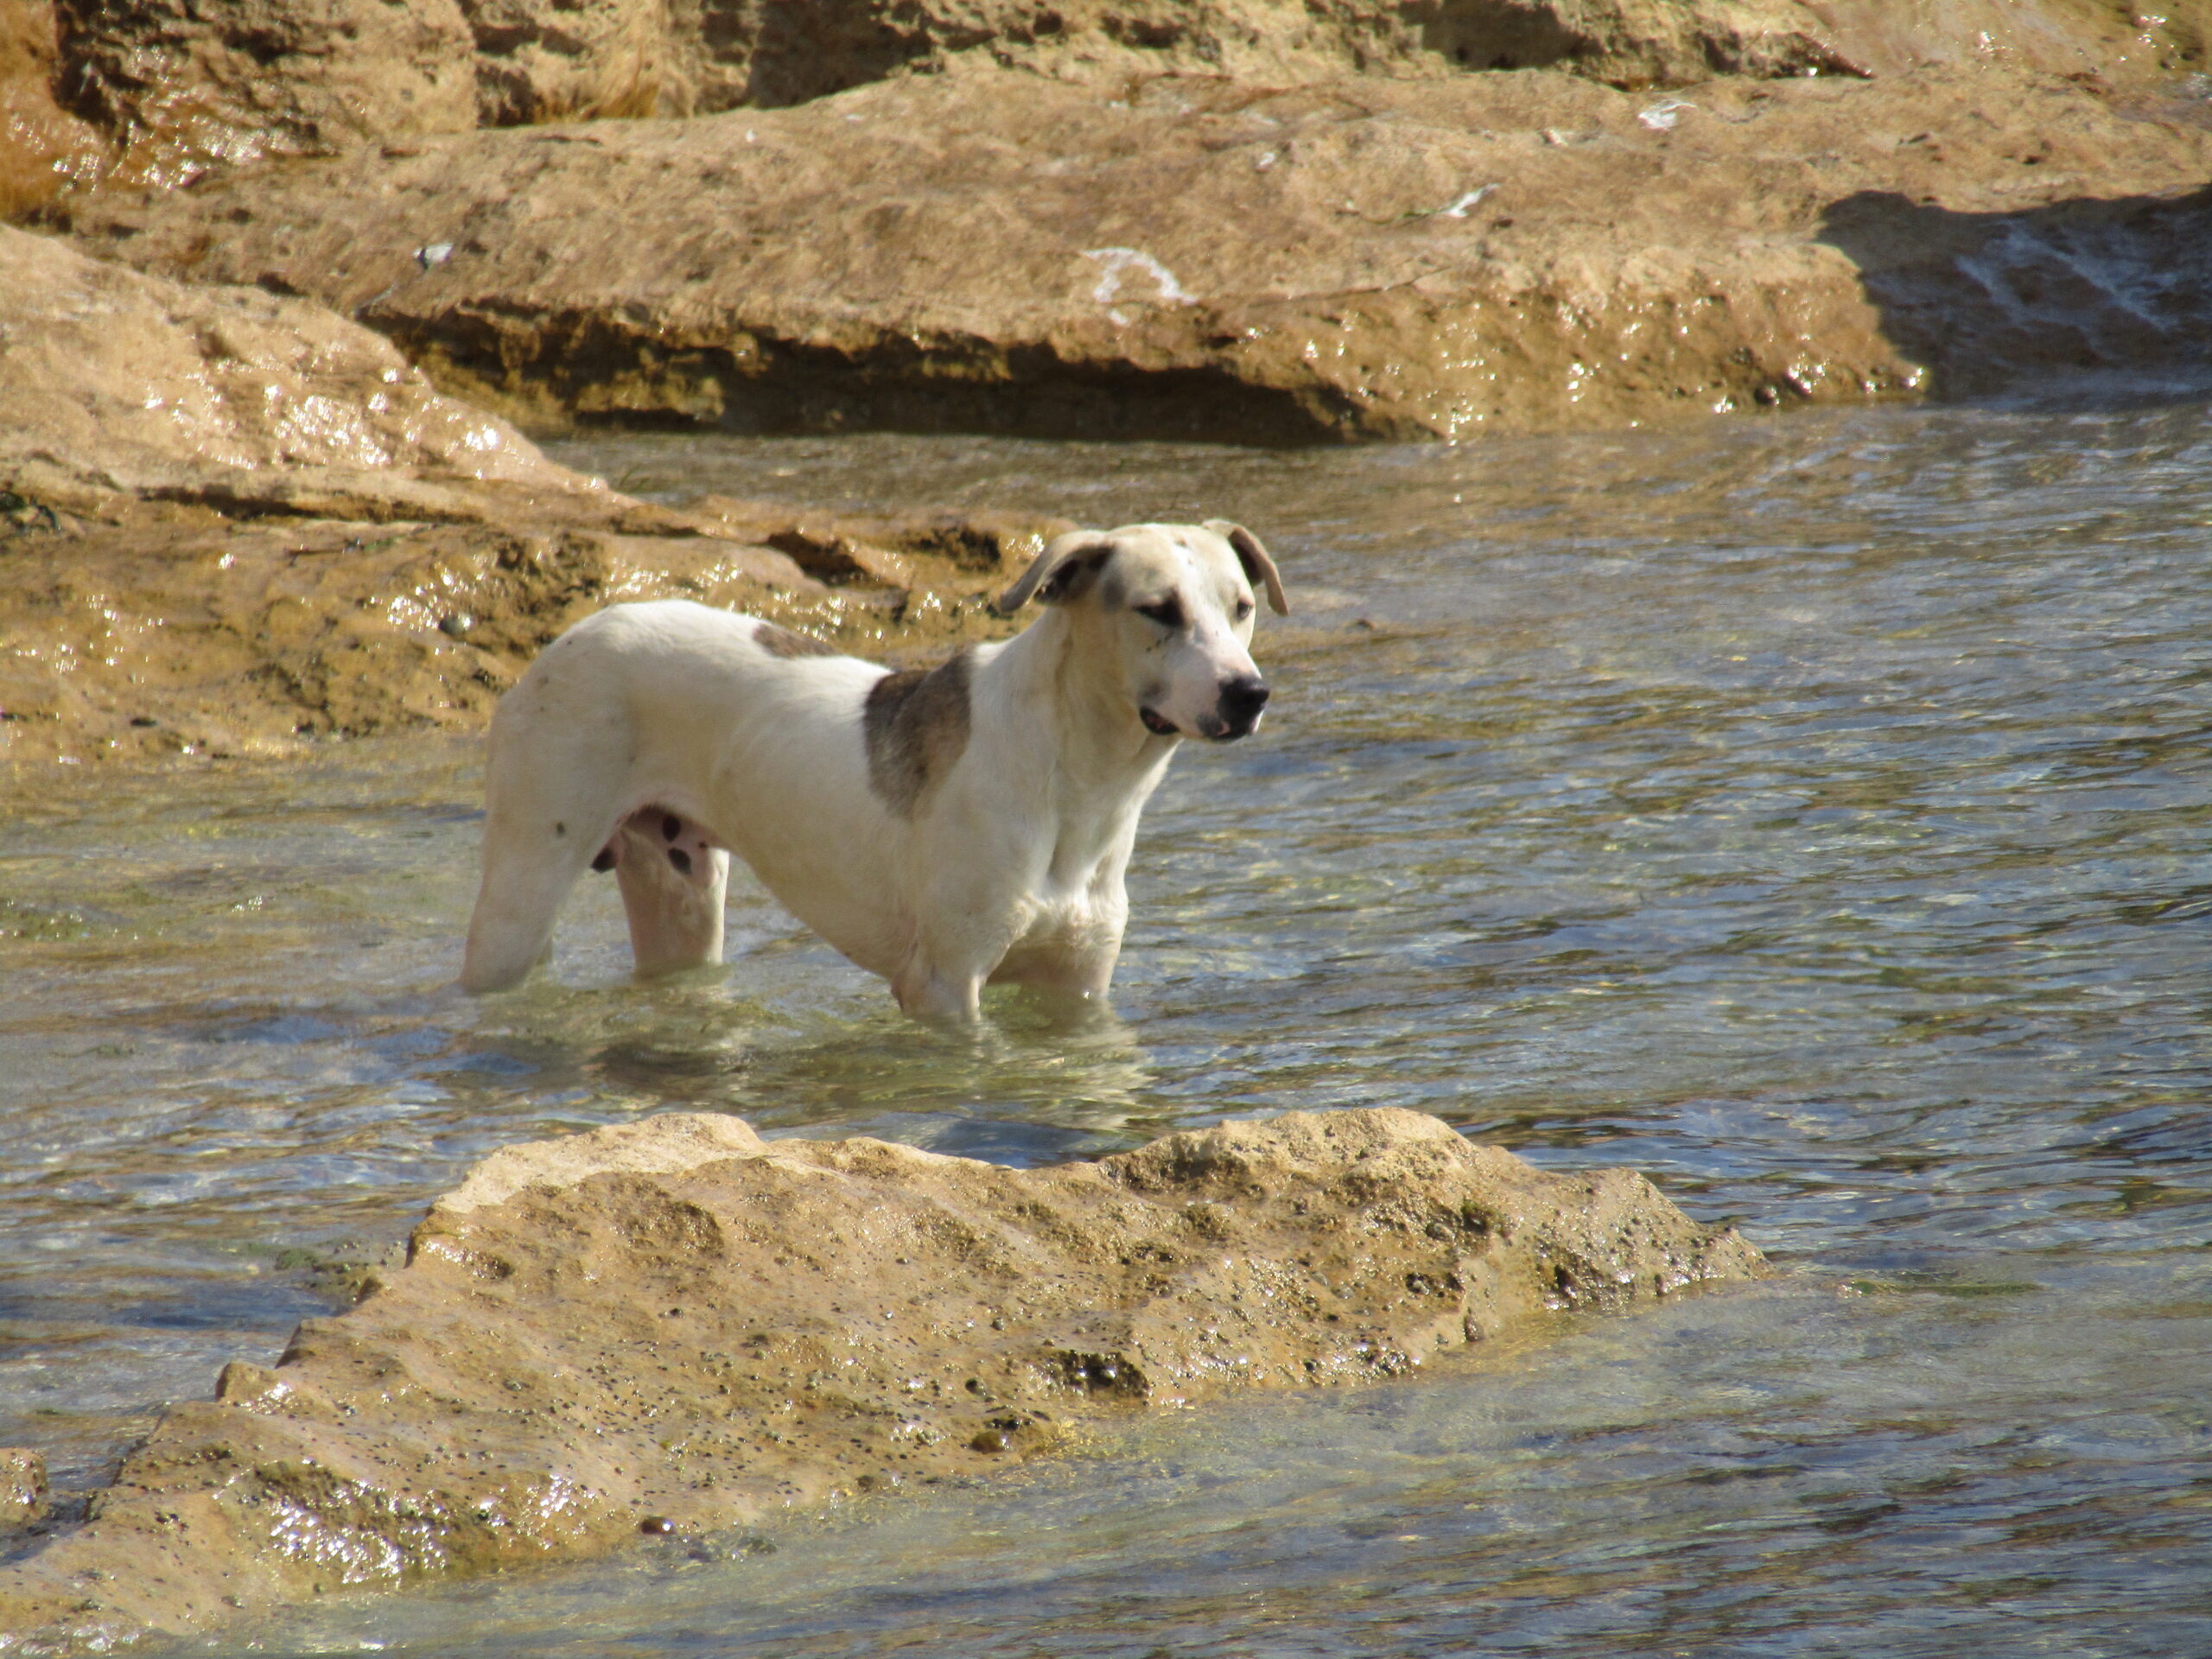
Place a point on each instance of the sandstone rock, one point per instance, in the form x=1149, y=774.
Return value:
x=1632, y=42
x=172, y=630
x=783, y=52
x=161, y=91
x=2116, y=40
x=187, y=634
x=1203, y=259
x=674, y=1326
x=178, y=85
x=174, y=87
x=134, y=383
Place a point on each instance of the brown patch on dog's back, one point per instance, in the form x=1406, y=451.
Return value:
x=782, y=642
x=916, y=724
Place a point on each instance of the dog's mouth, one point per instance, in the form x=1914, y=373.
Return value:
x=1158, y=724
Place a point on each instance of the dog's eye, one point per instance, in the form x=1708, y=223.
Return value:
x=1243, y=609
x=1168, y=613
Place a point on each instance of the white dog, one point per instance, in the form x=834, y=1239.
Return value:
x=942, y=828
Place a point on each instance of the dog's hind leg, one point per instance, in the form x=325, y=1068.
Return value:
x=674, y=881
x=510, y=930
x=545, y=815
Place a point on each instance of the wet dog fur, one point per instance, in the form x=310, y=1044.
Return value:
x=943, y=828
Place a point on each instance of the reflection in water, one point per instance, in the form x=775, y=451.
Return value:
x=1812, y=813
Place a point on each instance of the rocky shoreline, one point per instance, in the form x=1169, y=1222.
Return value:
x=672, y=1326
x=236, y=518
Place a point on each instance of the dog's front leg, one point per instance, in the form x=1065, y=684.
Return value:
x=926, y=992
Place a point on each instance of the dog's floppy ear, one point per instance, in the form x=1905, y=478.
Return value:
x=1258, y=567
x=1061, y=571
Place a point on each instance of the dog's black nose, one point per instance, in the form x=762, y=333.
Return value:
x=1241, y=700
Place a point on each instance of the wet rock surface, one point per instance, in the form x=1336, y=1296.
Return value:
x=229, y=520
x=43, y=147
x=176, y=86
x=672, y=1326
x=1199, y=258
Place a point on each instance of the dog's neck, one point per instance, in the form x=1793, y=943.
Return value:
x=1087, y=723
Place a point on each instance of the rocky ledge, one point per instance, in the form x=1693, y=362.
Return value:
x=674, y=1326
x=230, y=520
x=1201, y=256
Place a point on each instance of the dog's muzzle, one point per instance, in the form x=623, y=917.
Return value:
x=1236, y=712
x=1242, y=700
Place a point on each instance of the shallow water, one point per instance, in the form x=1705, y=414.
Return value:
x=1812, y=813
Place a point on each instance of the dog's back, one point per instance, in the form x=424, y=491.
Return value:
x=716, y=719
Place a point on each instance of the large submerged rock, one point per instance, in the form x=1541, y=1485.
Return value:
x=674, y=1326
x=1204, y=258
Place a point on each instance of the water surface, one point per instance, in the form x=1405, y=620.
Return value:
x=1812, y=813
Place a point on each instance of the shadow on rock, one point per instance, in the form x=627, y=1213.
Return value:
x=2048, y=298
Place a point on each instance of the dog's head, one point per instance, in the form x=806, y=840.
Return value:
x=1171, y=607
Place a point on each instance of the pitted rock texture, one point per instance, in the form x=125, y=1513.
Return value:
x=23, y=1487
x=1201, y=258
x=43, y=148
x=568, y=60
x=149, y=632
x=674, y=1326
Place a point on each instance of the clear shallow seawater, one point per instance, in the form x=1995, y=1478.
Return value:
x=1813, y=813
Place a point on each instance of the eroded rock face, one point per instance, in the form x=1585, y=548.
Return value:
x=779, y=52
x=672, y=1326
x=1203, y=259
x=43, y=148
x=2115, y=39
x=177, y=83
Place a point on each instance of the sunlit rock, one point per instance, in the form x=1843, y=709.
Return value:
x=737, y=52
x=674, y=1326
x=1196, y=257
x=131, y=383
